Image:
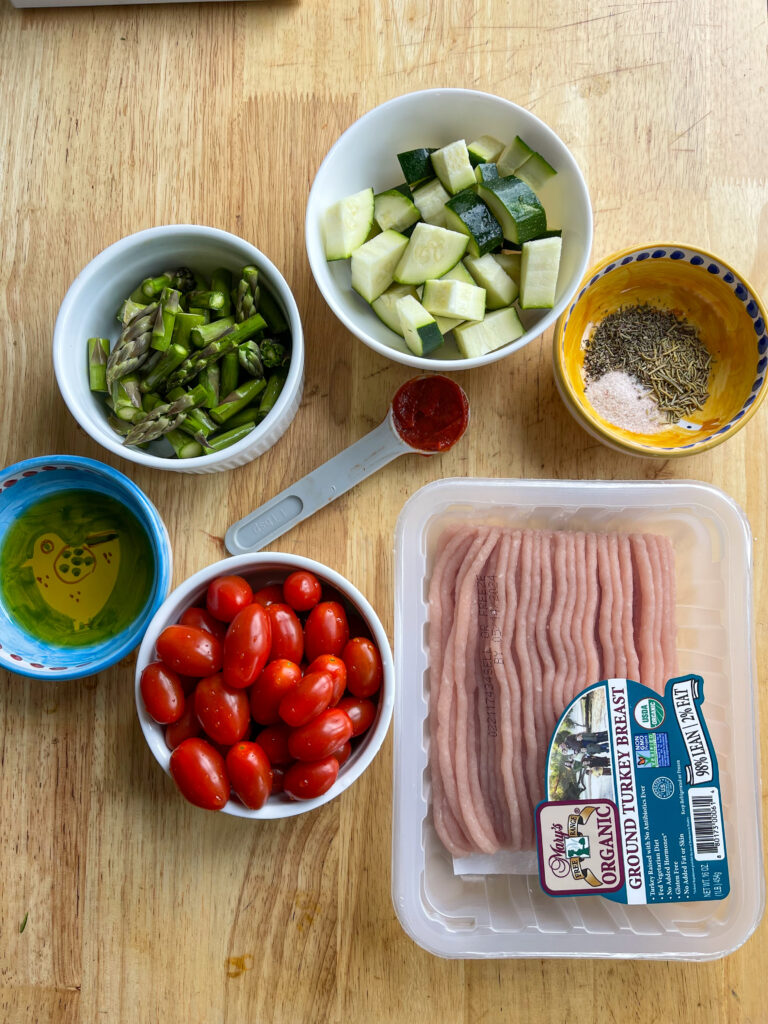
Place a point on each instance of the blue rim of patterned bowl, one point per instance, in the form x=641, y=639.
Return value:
x=113, y=650
x=708, y=264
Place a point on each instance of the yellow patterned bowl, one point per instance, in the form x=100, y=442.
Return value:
x=729, y=316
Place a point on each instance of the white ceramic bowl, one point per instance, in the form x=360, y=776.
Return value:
x=89, y=309
x=261, y=570
x=366, y=155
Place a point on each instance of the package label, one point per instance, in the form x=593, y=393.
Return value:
x=633, y=809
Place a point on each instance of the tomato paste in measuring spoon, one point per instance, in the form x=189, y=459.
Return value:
x=430, y=413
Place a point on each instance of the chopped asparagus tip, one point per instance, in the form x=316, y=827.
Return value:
x=221, y=281
x=183, y=280
x=165, y=417
x=193, y=364
x=237, y=400
x=98, y=353
x=273, y=353
x=249, y=358
x=166, y=363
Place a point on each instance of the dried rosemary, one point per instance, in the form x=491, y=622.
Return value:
x=659, y=350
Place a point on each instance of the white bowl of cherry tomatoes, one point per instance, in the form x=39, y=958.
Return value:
x=265, y=685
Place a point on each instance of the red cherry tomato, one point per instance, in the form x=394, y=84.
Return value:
x=276, y=679
x=343, y=753
x=361, y=713
x=186, y=726
x=274, y=742
x=226, y=596
x=190, y=651
x=198, y=770
x=246, y=646
x=287, y=634
x=302, y=590
x=307, y=779
x=278, y=775
x=364, y=671
x=306, y=700
x=201, y=619
x=250, y=774
x=162, y=692
x=223, y=713
x=326, y=630
x=320, y=737
x=336, y=669
x=273, y=594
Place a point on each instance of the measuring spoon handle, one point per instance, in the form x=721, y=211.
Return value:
x=316, y=490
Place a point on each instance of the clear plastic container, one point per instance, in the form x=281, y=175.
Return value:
x=510, y=915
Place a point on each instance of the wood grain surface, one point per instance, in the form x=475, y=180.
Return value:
x=112, y=119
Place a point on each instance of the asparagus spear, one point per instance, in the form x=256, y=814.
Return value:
x=272, y=391
x=230, y=372
x=207, y=299
x=229, y=437
x=183, y=280
x=221, y=281
x=202, y=334
x=250, y=414
x=126, y=392
x=247, y=294
x=272, y=313
x=151, y=287
x=182, y=327
x=183, y=445
x=273, y=353
x=132, y=346
x=98, y=353
x=162, y=328
x=165, y=417
x=193, y=364
x=249, y=358
x=209, y=379
x=237, y=400
x=128, y=310
x=169, y=360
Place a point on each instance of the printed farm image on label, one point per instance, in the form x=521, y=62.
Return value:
x=633, y=810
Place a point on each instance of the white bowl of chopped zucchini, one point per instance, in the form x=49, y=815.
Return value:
x=448, y=228
x=181, y=348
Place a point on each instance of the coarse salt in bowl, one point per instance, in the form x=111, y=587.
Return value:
x=698, y=287
x=261, y=570
x=366, y=156
x=89, y=310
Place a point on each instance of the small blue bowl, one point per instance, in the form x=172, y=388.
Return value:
x=27, y=483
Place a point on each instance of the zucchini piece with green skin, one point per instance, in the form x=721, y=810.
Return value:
x=538, y=273
x=452, y=166
x=420, y=331
x=516, y=207
x=394, y=211
x=535, y=171
x=416, y=166
x=431, y=252
x=509, y=263
x=454, y=299
x=385, y=306
x=497, y=329
x=500, y=289
x=430, y=201
x=485, y=150
x=515, y=154
x=373, y=263
x=347, y=223
x=468, y=214
x=486, y=172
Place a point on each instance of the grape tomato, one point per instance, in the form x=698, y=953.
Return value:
x=274, y=742
x=226, y=596
x=321, y=736
x=305, y=780
x=361, y=713
x=302, y=590
x=364, y=671
x=184, y=727
x=326, y=630
x=202, y=619
x=250, y=774
x=190, y=651
x=272, y=594
x=307, y=700
x=246, y=646
x=198, y=770
x=162, y=692
x=224, y=714
x=336, y=669
x=343, y=754
x=287, y=634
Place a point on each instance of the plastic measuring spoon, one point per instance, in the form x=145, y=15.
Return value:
x=427, y=416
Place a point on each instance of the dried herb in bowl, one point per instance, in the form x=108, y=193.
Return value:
x=659, y=350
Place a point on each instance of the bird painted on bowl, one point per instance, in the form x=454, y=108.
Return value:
x=76, y=580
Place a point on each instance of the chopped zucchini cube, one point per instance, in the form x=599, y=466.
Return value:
x=454, y=299
x=485, y=150
x=421, y=333
x=394, y=211
x=373, y=264
x=452, y=166
x=430, y=201
x=500, y=289
x=431, y=252
x=347, y=223
x=499, y=328
x=385, y=306
x=538, y=273
x=515, y=154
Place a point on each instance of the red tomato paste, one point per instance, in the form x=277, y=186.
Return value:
x=430, y=413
